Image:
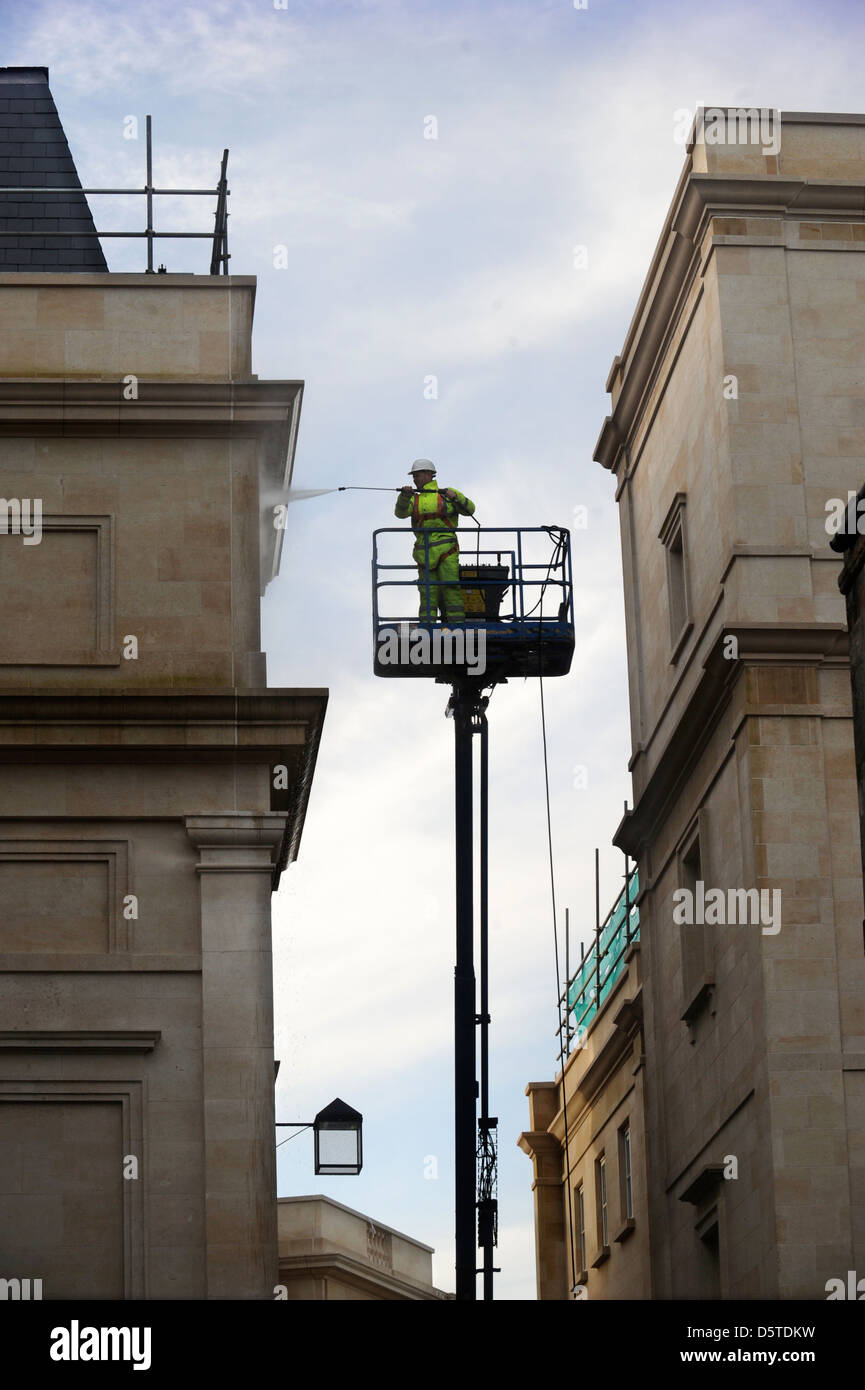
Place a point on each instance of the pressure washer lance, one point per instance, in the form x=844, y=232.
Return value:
x=354, y=488
x=303, y=494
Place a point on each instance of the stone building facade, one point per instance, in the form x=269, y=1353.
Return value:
x=738, y=413
x=152, y=788
x=598, y=1189
x=330, y=1253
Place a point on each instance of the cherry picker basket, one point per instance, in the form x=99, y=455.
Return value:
x=517, y=593
x=483, y=588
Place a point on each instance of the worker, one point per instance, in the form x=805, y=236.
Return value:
x=434, y=515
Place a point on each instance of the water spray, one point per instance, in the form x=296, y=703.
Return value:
x=303, y=494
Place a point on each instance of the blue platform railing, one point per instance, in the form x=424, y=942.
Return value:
x=529, y=565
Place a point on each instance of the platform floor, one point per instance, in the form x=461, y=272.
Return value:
x=499, y=648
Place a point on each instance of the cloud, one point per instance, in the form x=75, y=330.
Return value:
x=410, y=256
x=223, y=49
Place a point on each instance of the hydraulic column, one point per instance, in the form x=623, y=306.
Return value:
x=474, y=1139
x=465, y=1081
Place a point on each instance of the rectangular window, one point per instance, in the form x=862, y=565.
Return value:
x=678, y=599
x=692, y=864
x=625, y=1172
x=695, y=935
x=673, y=537
x=710, y=1263
x=581, y=1216
x=601, y=1180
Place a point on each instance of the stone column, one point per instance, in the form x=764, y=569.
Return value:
x=545, y=1151
x=236, y=859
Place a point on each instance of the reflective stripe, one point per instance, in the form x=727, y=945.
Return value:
x=423, y=571
x=440, y=515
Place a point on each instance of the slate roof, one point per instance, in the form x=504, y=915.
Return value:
x=34, y=154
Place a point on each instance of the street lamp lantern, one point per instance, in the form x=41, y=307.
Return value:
x=338, y=1139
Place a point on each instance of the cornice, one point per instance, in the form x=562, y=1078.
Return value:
x=269, y=411
x=539, y=1143
x=676, y=259
x=711, y=194
x=79, y=1040
x=53, y=406
x=781, y=644
x=213, y=709
x=100, y=279
x=276, y=726
x=330, y=1263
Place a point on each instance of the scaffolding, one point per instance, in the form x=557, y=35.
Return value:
x=218, y=237
x=587, y=990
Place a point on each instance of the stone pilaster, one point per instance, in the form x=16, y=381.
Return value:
x=237, y=854
x=545, y=1151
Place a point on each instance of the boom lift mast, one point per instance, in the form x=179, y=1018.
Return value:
x=515, y=643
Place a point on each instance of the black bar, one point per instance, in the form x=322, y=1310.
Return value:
x=194, y=1339
x=225, y=255
x=149, y=191
x=219, y=254
x=567, y=982
x=124, y=192
x=465, y=1083
x=627, y=901
x=172, y=236
x=485, y=1227
x=597, y=935
x=628, y=889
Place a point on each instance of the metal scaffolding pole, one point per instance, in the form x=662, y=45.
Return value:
x=149, y=191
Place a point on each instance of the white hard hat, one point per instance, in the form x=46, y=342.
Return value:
x=423, y=466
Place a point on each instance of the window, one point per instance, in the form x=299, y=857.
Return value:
x=704, y=1275
x=672, y=536
x=692, y=864
x=710, y=1262
x=601, y=1179
x=695, y=936
x=676, y=577
x=581, y=1216
x=625, y=1172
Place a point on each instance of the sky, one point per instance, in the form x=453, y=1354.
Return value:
x=385, y=258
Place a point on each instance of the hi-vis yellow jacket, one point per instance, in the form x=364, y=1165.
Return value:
x=434, y=513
